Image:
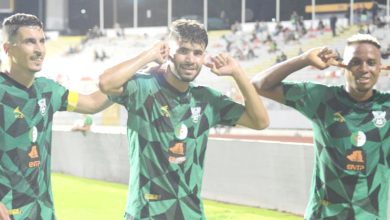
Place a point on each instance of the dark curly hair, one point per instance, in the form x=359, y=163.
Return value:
x=190, y=30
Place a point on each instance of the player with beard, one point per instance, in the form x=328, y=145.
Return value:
x=169, y=119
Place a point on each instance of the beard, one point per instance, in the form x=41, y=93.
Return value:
x=186, y=78
x=180, y=76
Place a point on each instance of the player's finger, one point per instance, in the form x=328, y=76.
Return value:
x=4, y=215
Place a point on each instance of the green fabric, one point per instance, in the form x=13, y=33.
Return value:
x=351, y=146
x=167, y=133
x=25, y=146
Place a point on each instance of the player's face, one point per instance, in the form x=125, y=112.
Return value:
x=363, y=69
x=188, y=60
x=27, y=52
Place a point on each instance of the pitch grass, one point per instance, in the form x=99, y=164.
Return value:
x=85, y=199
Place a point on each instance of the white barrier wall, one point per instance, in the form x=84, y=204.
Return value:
x=96, y=156
x=263, y=174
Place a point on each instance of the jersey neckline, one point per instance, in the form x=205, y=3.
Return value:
x=29, y=90
x=164, y=83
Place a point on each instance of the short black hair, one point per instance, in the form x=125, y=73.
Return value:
x=190, y=30
x=12, y=24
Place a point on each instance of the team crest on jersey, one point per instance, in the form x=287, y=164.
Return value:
x=379, y=118
x=42, y=106
x=195, y=111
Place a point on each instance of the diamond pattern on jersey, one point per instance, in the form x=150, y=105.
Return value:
x=2, y=116
x=24, y=180
x=352, y=151
x=12, y=101
x=168, y=136
x=18, y=128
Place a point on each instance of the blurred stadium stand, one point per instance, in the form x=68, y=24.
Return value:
x=77, y=61
x=79, y=68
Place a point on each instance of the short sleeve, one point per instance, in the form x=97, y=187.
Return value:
x=303, y=97
x=59, y=97
x=127, y=96
x=225, y=110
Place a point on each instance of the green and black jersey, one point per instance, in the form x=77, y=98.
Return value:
x=25, y=145
x=167, y=134
x=352, y=142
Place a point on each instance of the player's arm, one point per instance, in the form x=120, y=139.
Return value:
x=112, y=80
x=87, y=104
x=4, y=212
x=255, y=115
x=268, y=82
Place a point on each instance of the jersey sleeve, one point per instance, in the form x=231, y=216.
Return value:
x=127, y=96
x=225, y=110
x=303, y=97
x=60, y=97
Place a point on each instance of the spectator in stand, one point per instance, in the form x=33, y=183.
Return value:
x=321, y=26
x=294, y=19
x=278, y=28
x=374, y=11
x=348, y=15
x=363, y=15
x=333, y=24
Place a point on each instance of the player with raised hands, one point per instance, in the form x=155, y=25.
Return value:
x=350, y=125
x=169, y=118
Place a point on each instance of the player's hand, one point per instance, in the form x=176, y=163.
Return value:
x=322, y=57
x=222, y=65
x=4, y=212
x=160, y=52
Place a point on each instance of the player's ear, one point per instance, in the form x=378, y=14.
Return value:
x=6, y=46
x=207, y=60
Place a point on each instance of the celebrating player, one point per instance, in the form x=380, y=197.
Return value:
x=169, y=120
x=27, y=105
x=351, y=139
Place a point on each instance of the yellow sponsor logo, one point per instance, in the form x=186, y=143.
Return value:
x=338, y=117
x=14, y=211
x=324, y=202
x=164, y=111
x=149, y=196
x=18, y=113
